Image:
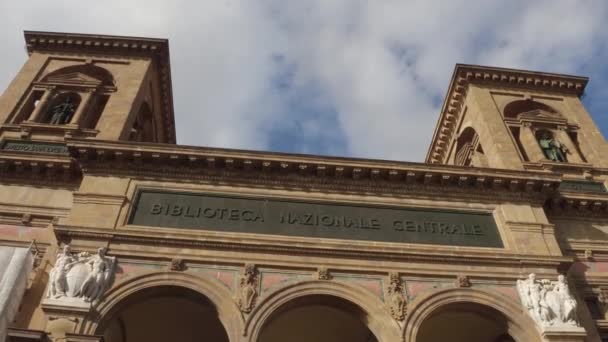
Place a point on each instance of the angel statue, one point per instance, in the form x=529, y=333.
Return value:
x=101, y=268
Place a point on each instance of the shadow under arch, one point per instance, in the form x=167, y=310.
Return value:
x=377, y=318
x=514, y=108
x=519, y=325
x=218, y=295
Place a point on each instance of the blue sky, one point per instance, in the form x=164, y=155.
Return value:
x=339, y=77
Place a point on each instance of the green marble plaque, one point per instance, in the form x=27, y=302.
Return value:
x=35, y=147
x=157, y=208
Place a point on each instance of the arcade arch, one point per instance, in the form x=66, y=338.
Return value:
x=465, y=314
x=163, y=313
x=194, y=302
x=322, y=311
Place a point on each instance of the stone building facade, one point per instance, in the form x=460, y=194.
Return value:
x=501, y=235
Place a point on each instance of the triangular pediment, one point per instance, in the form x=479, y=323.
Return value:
x=540, y=113
x=542, y=116
x=74, y=78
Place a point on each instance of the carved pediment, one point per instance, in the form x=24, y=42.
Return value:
x=74, y=78
x=544, y=116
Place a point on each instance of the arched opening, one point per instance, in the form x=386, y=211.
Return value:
x=465, y=322
x=319, y=318
x=163, y=313
x=143, y=125
x=468, y=149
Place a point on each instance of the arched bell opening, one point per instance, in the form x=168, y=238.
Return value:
x=163, y=313
x=465, y=322
x=319, y=318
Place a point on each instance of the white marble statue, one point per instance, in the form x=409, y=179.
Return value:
x=80, y=276
x=57, y=278
x=548, y=303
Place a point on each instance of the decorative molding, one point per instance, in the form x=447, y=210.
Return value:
x=39, y=169
x=323, y=274
x=266, y=169
x=463, y=281
x=247, y=291
x=395, y=298
x=464, y=75
x=93, y=198
x=307, y=246
x=177, y=265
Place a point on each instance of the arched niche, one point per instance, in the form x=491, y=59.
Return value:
x=171, y=292
x=468, y=151
x=318, y=306
x=497, y=315
x=62, y=108
x=525, y=118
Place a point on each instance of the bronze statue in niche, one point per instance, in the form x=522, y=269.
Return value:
x=62, y=112
x=553, y=149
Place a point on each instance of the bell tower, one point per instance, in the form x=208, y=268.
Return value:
x=92, y=87
x=515, y=119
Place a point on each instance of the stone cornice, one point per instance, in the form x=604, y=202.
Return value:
x=464, y=75
x=578, y=206
x=158, y=49
x=280, y=170
x=336, y=248
x=39, y=168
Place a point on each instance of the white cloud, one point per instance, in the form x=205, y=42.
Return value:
x=379, y=66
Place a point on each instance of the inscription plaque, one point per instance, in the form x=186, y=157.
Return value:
x=37, y=147
x=156, y=208
x=583, y=186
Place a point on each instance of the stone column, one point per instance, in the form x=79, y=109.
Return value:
x=562, y=136
x=38, y=110
x=84, y=103
x=530, y=144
